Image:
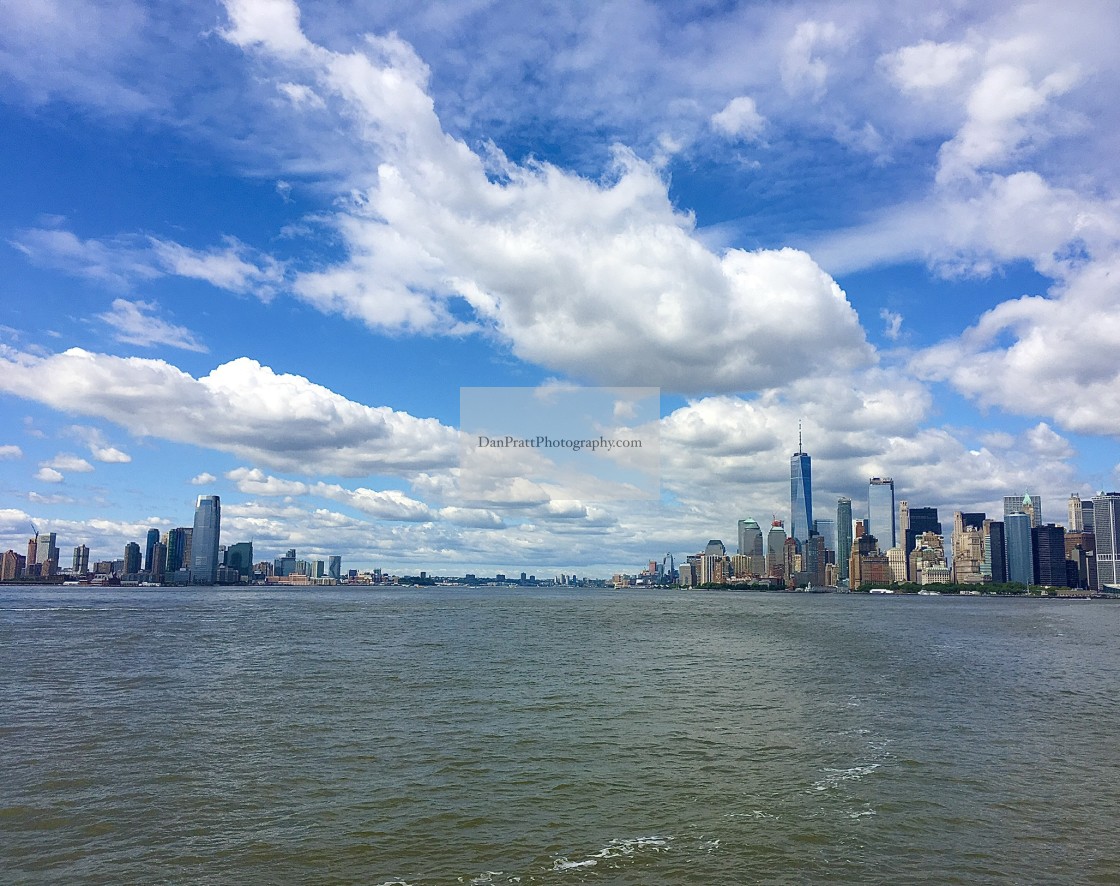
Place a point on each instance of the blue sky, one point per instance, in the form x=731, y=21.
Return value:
x=255, y=249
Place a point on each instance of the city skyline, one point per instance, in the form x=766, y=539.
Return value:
x=249, y=252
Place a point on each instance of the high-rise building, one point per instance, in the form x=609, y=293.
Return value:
x=1024, y=504
x=1081, y=551
x=880, y=511
x=177, y=556
x=158, y=562
x=150, y=542
x=1049, y=552
x=750, y=538
x=1076, y=521
x=131, y=559
x=240, y=557
x=205, y=539
x=843, y=535
x=968, y=548
x=1106, y=530
x=334, y=567
x=80, y=563
x=11, y=566
x=800, y=494
x=46, y=553
x=1020, y=551
x=826, y=528
x=995, y=551
x=776, y=550
x=715, y=548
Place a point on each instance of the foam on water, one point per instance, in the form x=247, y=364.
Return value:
x=834, y=777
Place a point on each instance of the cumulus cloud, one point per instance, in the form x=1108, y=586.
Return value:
x=203, y=479
x=66, y=461
x=805, y=67
x=284, y=421
x=739, y=119
x=892, y=323
x=99, y=448
x=134, y=322
x=48, y=475
x=9, y=451
x=602, y=280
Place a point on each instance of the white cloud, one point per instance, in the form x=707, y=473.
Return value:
x=283, y=421
x=101, y=450
x=804, y=70
x=600, y=280
x=739, y=119
x=253, y=481
x=48, y=475
x=892, y=323
x=203, y=479
x=66, y=461
x=928, y=67
x=123, y=261
x=134, y=322
x=9, y=451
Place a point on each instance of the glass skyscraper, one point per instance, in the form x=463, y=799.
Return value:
x=880, y=512
x=1106, y=525
x=750, y=538
x=204, y=540
x=843, y=535
x=1020, y=550
x=800, y=496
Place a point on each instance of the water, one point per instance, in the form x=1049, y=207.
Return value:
x=445, y=737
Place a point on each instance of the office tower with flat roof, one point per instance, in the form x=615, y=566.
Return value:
x=240, y=557
x=205, y=538
x=750, y=538
x=132, y=561
x=800, y=494
x=825, y=527
x=1106, y=532
x=1020, y=554
x=149, y=543
x=334, y=565
x=46, y=552
x=1048, y=545
x=843, y=535
x=80, y=564
x=1028, y=503
x=995, y=552
x=880, y=511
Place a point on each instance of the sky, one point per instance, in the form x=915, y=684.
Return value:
x=255, y=249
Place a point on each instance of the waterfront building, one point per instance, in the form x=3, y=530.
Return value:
x=843, y=536
x=334, y=566
x=80, y=562
x=880, y=511
x=800, y=494
x=896, y=557
x=1081, y=551
x=1029, y=504
x=205, y=538
x=968, y=548
x=176, y=542
x=814, y=559
x=11, y=566
x=740, y=566
x=927, y=564
x=132, y=560
x=1020, y=554
x=1106, y=531
x=918, y=522
x=286, y=565
x=240, y=558
x=149, y=544
x=867, y=565
x=46, y=553
x=159, y=562
x=995, y=551
x=1048, y=545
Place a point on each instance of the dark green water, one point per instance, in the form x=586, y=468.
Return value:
x=428, y=737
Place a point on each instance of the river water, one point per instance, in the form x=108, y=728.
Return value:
x=437, y=736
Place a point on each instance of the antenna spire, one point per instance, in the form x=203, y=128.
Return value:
x=800, y=448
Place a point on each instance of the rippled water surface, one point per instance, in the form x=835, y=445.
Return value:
x=434, y=736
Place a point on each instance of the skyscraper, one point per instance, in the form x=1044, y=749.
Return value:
x=843, y=535
x=750, y=538
x=1020, y=551
x=800, y=494
x=1024, y=504
x=131, y=558
x=1049, y=552
x=776, y=550
x=149, y=543
x=334, y=567
x=1106, y=528
x=81, y=560
x=880, y=511
x=1076, y=520
x=204, y=540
